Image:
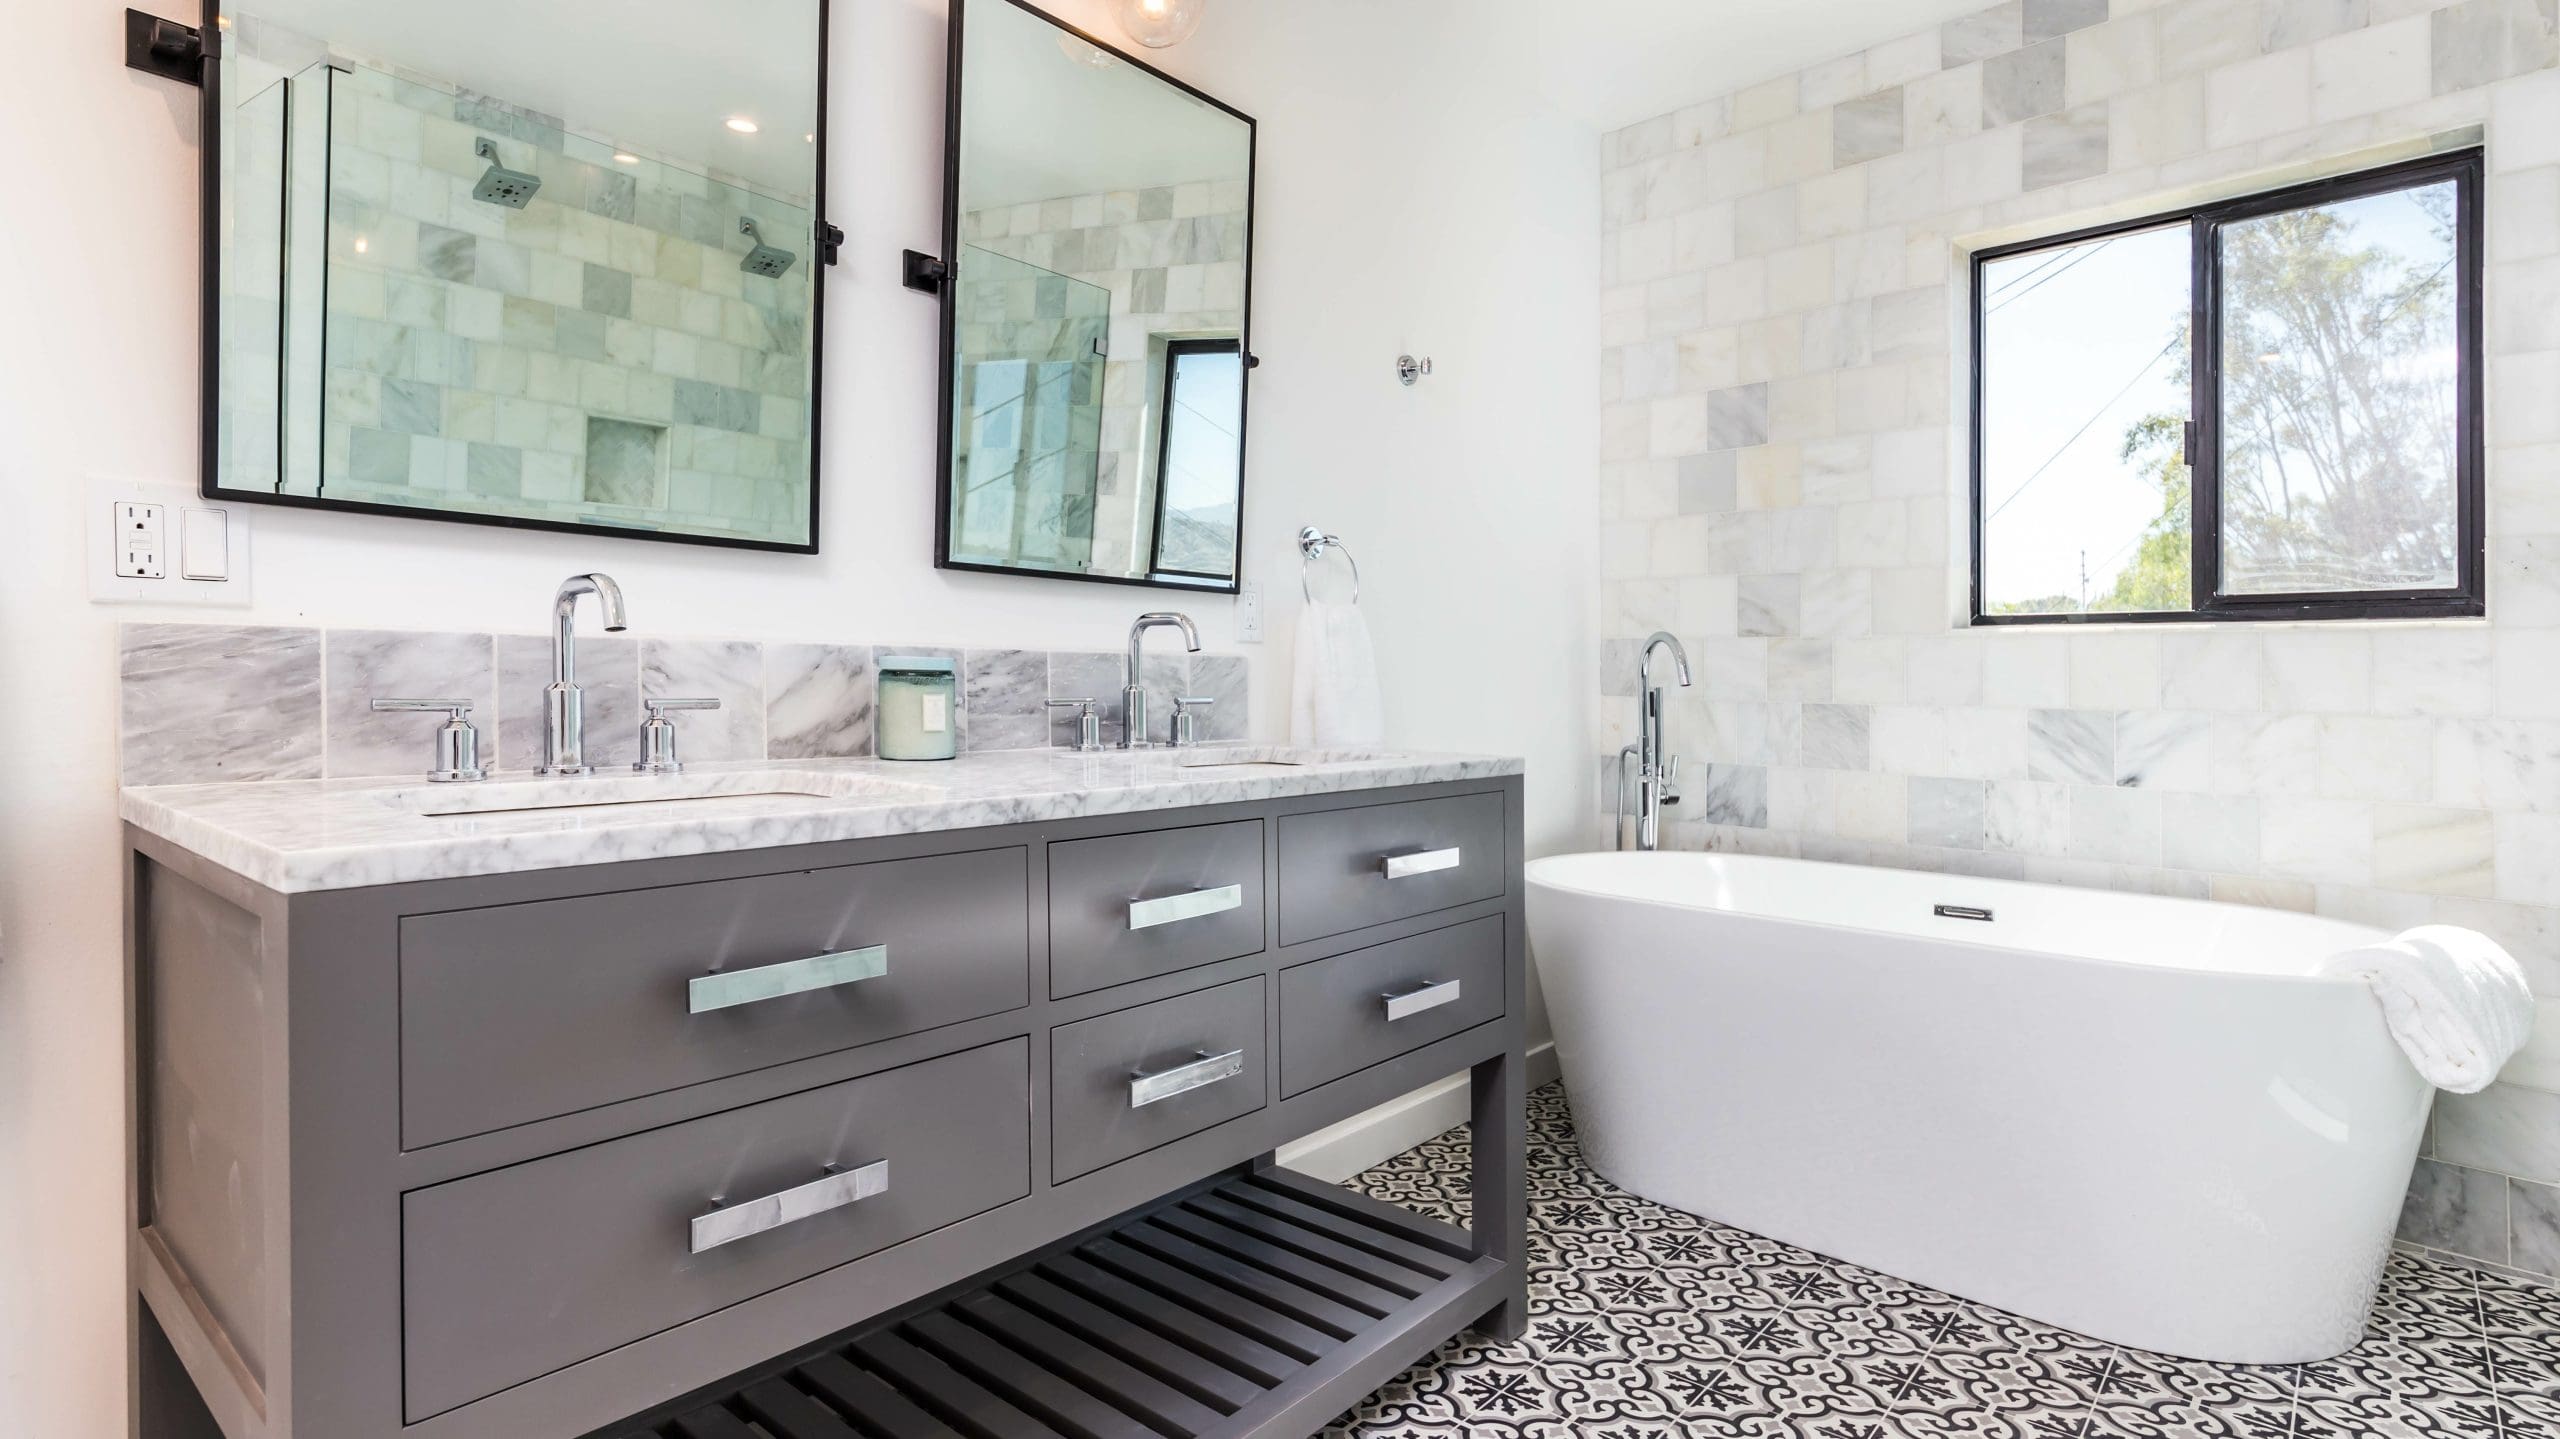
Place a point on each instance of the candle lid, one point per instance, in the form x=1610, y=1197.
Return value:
x=917, y=665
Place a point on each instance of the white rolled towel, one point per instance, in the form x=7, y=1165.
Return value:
x=1333, y=697
x=2457, y=1002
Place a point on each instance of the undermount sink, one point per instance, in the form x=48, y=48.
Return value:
x=1267, y=757
x=730, y=789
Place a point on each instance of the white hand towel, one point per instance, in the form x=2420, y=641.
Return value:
x=2458, y=1003
x=1333, y=697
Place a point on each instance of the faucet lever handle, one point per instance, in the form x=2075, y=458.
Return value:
x=457, y=740
x=1185, y=726
x=1088, y=724
x=458, y=709
x=658, y=735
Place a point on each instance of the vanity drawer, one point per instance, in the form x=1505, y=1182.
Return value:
x=512, y=1274
x=522, y=1012
x=1343, y=1014
x=1123, y=1083
x=1347, y=869
x=1132, y=906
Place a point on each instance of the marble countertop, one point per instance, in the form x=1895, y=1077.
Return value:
x=296, y=835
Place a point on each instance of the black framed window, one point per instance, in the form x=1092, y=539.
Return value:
x=1199, y=461
x=2265, y=409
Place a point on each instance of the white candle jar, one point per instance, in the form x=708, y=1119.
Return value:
x=919, y=716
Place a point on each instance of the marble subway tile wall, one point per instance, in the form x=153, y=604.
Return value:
x=1173, y=258
x=596, y=353
x=210, y=703
x=1785, y=487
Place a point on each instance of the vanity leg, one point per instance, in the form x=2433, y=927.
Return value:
x=1498, y=1184
x=165, y=1402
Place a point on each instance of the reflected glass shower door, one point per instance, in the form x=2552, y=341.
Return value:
x=1029, y=443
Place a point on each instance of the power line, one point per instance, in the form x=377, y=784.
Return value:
x=2076, y=261
x=2014, y=281
x=2085, y=425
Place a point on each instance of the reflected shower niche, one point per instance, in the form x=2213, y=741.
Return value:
x=498, y=283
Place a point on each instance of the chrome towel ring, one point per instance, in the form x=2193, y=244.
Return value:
x=1313, y=544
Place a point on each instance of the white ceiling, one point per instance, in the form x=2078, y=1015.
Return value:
x=656, y=75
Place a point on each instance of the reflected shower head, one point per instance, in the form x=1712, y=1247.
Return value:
x=766, y=260
x=502, y=186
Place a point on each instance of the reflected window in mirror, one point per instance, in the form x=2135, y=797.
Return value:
x=1199, y=461
x=1095, y=309
x=556, y=266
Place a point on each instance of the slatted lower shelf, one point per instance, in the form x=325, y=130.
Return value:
x=1262, y=1306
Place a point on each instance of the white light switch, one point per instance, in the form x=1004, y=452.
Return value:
x=204, y=545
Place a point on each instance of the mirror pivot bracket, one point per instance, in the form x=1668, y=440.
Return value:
x=830, y=243
x=163, y=47
x=925, y=273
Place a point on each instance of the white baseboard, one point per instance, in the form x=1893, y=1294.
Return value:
x=1366, y=1140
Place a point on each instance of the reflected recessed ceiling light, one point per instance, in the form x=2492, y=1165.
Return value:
x=625, y=157
x=741, y=124
x=811, y=137
x=361, y=245
x=1158, y=23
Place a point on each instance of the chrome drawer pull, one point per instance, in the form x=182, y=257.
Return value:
x=1415, y=1001
x=1208, y=1069
x=1430, y=861
x=1148, y=913
x=748, y=986
x=744, y=1221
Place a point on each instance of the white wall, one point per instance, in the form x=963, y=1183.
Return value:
x=1408, y=202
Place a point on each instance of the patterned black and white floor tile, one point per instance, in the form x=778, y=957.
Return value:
x=1650, y=1323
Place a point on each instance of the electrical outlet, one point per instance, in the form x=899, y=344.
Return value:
x=152, y=543
x=142, y=541
x=1249, y=613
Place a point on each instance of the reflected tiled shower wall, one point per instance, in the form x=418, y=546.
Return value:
x=597, y=353
x=1784, y=485
x=1173, y=258
x=207, y=703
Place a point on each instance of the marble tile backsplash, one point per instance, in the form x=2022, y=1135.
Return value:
x=207, y=703
x=1785, y=485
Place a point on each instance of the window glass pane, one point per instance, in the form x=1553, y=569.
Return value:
x=2084, y=410
x=2339, y=358
x=1203, y=456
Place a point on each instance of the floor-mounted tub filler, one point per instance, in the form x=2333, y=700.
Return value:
x=2143, y=1119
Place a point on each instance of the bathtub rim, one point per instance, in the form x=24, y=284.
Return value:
x=1535, y=881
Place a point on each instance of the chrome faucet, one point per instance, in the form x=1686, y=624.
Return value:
x=1133, y=696
x=564, y=733
x=1656, y=772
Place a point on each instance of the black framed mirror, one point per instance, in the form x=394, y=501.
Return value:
x=555, y=266
x=1096, y=288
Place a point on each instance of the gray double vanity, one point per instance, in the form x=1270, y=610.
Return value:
x=659, y=1057
x=829, y=1100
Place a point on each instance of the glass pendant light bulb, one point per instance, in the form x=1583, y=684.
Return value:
x=1159, y=23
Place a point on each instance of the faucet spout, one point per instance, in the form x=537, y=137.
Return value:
x=564, y=736
x=1133, y=692
x=1655, y=771
x=564, y=605
x=1679, y=658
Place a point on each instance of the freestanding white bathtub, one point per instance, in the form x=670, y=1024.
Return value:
x=2142, y=1119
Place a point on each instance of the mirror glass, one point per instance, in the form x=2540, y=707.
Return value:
x=548, y=264
x=1094, y=311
